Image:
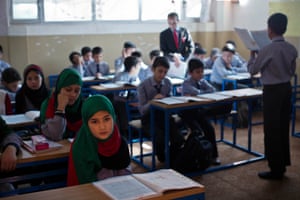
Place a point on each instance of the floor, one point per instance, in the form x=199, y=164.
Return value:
x=242, y=182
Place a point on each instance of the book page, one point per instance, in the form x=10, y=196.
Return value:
x=235, y=93
x=124, y=188
x=176, y=81
x=33, y=114
x=188, y=98
x=175, y=71
x=170, y=100
x=16, y=119
x=214, y=96
x=166, y=179
x=111, y=85
x=247, y=38
x=261, y=37
x=239, y=76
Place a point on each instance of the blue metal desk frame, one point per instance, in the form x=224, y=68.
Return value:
x=169, y=111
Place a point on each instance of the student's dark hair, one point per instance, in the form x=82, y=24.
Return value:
x=154, y=53
x=97, y=50
x=137, y=54
x=278, y=23
x=161, y=61
x=1, y=49
x=85, y=50
x=199, y=51
x=72, y=54
x=195, y=63
x=10, y=75
x=130, y=62
x=173, y=14
x=128, y=45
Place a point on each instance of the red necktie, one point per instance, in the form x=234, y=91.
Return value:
x=175, y=38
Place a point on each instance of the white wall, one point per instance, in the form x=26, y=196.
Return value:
x=3, y=18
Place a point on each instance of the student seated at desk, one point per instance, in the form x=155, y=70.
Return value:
x=77, y=63
x=238, y=63
x=130, y=76
x=199, y=118
x=98, y=67
x=33, y=91
x=214, y=54
x=156, y=87
x=222, y=67
x=86, y=53
x=99, y=151
x=147, y=72
x=128, y=48
x=60, y=113
x=10, y=144
x=10, y=82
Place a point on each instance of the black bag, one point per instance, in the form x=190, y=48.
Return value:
x=196, y=155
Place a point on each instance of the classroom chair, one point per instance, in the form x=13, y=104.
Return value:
x=52, y=80
x=295, y=106
x=135, y=126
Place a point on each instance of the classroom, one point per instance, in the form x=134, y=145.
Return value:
x=47, y=40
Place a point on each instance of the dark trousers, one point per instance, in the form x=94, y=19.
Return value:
x=276, y=112
x=196, y=119
x=176, y=139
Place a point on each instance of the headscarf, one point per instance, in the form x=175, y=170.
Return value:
x=86, y=151
x=35, y=97
x=72, y=112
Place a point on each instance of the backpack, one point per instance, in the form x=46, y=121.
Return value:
x=196, y=155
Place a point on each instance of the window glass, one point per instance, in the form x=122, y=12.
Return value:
x=159, y=9
x=117, y=9
x=24, y=9
x=68, y=10
x=193, y=8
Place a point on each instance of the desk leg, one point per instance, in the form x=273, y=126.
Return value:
x=167, y=139
x=249, y=102
x=152, y=130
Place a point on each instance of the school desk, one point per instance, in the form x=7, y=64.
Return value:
x=107, y=88
x=26, y=160
x=241, y=78
x=90, y=192
x=247, y=94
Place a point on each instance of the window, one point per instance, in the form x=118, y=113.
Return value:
x=151, y=10
x=102, y=10
x=67, y=10
x=117, y=9
x=25, y=10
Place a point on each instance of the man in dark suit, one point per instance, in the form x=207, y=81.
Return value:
x=176, y=39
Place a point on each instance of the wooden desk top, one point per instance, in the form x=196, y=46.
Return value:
x=26, y=156
x=90, y=192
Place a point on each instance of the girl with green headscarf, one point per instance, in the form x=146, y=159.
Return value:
x=60, y=113
x=98, y=151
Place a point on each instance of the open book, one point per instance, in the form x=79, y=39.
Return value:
x=145, y=185
x=241, y=92
x=178, y=99
x=29, y=116
x=40, y=144
x=216, y=96
x=253, y=40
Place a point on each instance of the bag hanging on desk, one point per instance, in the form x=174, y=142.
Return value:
x=196, y=155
